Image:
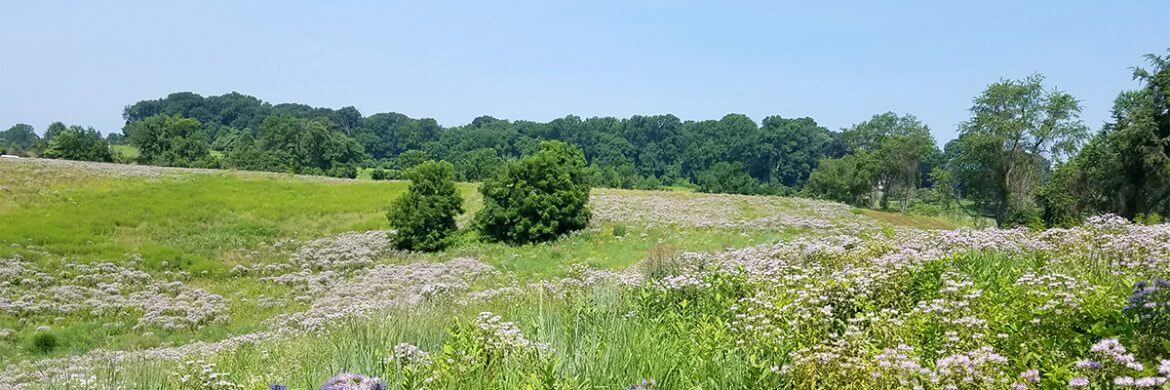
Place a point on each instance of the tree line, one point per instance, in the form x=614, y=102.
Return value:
x=1024, y=157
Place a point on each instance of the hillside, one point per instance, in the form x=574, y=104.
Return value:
x=120, y=276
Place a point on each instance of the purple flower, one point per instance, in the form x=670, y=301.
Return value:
x=1078, y=382
x=277, y=387
x=351, y=381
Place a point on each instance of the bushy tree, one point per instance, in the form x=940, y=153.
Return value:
x=537, y=198
x=409, y=159
x=1016, y=128
x=169, y=141
x=18, y=138
x=478, y=164
x=727, y=178
x=424, y=217
x=79, y=143
x=848, y=179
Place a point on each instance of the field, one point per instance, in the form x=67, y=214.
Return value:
x=118, y=276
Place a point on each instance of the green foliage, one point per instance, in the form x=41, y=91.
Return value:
x=728, y=178
x=537, y=198
x=478, y=164
x=78, y=143
x=424, y=217
x=378, y=174
x=1016, y=125
x=44, y=343
x=410, y=158
x=849, y=179
x=169, y=141
x=18, y=138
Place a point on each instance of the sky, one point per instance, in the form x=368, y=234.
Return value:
x=837, y=62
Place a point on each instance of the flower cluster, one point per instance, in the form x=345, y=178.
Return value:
x=504, y=337
x=351, y=381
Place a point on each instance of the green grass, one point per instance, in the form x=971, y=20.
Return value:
x=128, y=152
x=206, y=223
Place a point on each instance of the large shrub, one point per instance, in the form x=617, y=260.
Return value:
x=537, y=198
x=78, y=143
x=424, y=217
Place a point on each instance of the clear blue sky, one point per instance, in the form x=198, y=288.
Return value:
x=82, y=62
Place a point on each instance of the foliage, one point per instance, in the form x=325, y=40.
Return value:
x=18, y=138
x=478, y=164
x=78, y=143
x=424, y=217
x=169, y=141
x=1016, y=127
x=849, y=179
x=728, y=178
x=537, y=198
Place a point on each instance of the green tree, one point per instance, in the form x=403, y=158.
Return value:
x=787, y=150
x=900, y=145
x=537, y=198
x=1140, y=136
x=849, y=179
x=169, y=141
x=1015, y=128
x=728, y=178
x=54, y=129
x=18, y=139
x=79, y=143
x=410, y=159
x=478, y=164
x=424, y=217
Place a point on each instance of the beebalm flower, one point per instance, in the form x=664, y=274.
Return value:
x=277, y=387
x=1078, y=382
x=1123, y=381
x=1149, y=381
x=1030, y=376
x=1164, y=368
x=351, y=381
x=407, y=353
x=1086, y=364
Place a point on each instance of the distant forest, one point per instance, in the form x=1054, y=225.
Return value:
x=1023, y=158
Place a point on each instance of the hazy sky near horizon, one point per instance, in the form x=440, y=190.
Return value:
x=81, y=62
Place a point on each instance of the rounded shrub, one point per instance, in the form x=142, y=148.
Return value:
x=45, y=342
x=424, y=217
x=537, y=198
x=378, y=174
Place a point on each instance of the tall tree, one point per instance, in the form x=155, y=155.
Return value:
x=1016, y=127
x=1140, y=134
x=169, y=140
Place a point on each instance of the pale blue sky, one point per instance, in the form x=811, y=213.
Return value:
x=81, y=62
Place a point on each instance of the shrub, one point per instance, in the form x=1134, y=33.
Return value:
x=537, y=198
x=45, y=343
x=728, y=178
x=78, y=143
x=378, y=174
x=424, y=217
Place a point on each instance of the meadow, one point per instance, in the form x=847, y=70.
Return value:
x=120, y=276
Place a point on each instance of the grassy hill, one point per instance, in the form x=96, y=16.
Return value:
x=196, y=226
x=119, y=276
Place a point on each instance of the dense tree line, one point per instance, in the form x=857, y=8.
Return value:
x=637, y=152
x=1023, y=158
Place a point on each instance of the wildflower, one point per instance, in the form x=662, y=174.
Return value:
x=1087, y=364
x=1030, y=376
x=1078, y=382
x=1164, y=368
x=277, y=387
x=645, y=384
x=1123, y=381
x=1149, y=381
x=351, y=381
